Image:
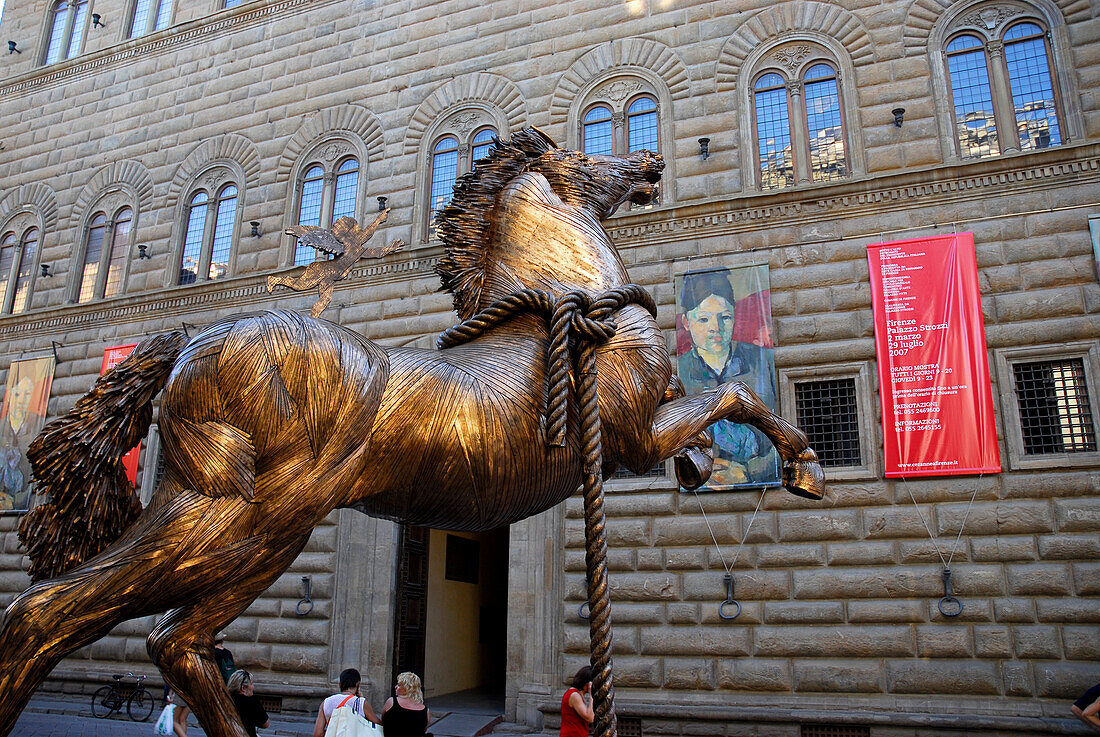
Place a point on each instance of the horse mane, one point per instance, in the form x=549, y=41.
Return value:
x=465, y=224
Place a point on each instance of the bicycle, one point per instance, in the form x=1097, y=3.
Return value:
x=109, y=699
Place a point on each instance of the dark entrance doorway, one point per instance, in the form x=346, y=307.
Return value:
x=451, y=613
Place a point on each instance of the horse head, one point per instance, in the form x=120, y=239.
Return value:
x=529, y=215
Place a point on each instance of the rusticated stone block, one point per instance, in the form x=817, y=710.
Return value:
x=1086, y=579
x=1017, y=679
x=1039, y=579
x=1069, y=547
x=926, y=551
x=974, y=610
x=679, y=613
x=833, y=641
x=629, y=612
x=299, y=659
x=752, y=612
x=696, y=640
x=838, y=676
x=628, y=532
x=868, y=583
x=995, y=518
x=992, y=641
x=1081, y=643
x=685, y=559
x=1014, y=610
x=1038, y=485
x=944, y=641
x=1073, y=611
x=1064, y=680
x=676, y=531
x=632, y=671
x=754, y=674
x=620, y=559
x=708, y=585
x=887, y=611
x=942, y=677
x=789, y=556
x=645, y=586
x=977, y=580
x=861, y=554
x=649, y=559
x=1003, y=549
x=832, y=524
x=1037, y=642
x=893, y=522
x=693, y=674
x=803, y=612
x=1077, y=515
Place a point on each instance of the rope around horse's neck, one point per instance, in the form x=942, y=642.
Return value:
x=589, y=322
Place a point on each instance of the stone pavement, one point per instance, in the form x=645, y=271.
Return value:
x=59, y=716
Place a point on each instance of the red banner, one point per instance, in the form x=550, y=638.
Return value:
x=937, y=404
x=112, y=357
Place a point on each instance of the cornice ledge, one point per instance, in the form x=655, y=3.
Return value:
x=244, y=291
x=914, y=188
x=190, y=32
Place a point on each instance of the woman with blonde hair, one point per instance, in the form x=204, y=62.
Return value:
x=405, y=714
x=252, y=713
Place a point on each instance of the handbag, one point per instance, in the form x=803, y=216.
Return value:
x=164, y=721
x=345, y=722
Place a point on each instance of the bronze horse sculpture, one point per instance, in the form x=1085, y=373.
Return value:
x=272, y=420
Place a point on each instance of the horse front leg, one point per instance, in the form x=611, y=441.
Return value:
x=677, y=426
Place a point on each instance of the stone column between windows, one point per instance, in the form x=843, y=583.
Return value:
x=328, y=199
x=1004, y=113
x=800, y=144
x=104, y=260
x=619, y=144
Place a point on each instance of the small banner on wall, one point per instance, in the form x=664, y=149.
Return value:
x=724, y=333
x=937, y=404
x=22, y=416
x=112, y=357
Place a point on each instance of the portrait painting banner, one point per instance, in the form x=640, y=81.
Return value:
x=937, y=403
x=724, y=333
x=22, y=416
x=113, y=356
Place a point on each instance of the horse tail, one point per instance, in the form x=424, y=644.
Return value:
x=77, y=462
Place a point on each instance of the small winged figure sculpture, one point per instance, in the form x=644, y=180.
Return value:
x=347, y=242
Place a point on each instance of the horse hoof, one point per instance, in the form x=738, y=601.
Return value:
x=803, y=476
x=693, y=467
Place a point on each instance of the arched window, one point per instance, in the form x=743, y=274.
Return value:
x=17, y=265
x=597, y=133
x=642, y=131
x=209, y=235
x=481, y=144
x=799, y=125
x=1002, y=90
x=149, y=16
x=106, y=251
x=67, y=21
x=327, y=194
x=773, y=132
x=452, y=154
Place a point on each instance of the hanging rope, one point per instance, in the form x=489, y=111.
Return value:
x=949, y=606
x=728, y=578
x=581, y=323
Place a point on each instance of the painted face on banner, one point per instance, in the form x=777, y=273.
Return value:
x=21, y=395
x=711, y=325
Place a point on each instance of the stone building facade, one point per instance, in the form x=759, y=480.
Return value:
x=179, y=140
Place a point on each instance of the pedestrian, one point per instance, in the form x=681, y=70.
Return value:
x=223, y=657
x=576, y=705
x=173, y=719
x=252, y=712
x=348, y=696
x=405, y=714
x=1087, y=707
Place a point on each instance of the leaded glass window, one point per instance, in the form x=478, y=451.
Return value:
x=481, y=144
x=975, y=124
x=309, y=210
x=773, y=132
x=149, y=16
x=93, y=255
x=1032, y=91
x=828, y=158
x=17, y=265
x=444, y=173
x=641, y=126
x=117, y=254
x=327, y=193
x=209, y=235
x=597, y=134
x=67, y=21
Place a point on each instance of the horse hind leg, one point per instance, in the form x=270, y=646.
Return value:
x=182, y=643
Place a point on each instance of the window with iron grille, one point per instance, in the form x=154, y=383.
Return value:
x=1055, y=416
x=657, y=472
x=629, y=726
x=834, y=730
x=828, y=413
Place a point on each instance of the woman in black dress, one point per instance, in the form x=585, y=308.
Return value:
x=253, y=714
x=405, y=714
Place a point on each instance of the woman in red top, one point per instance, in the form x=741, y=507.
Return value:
x=576, y=705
